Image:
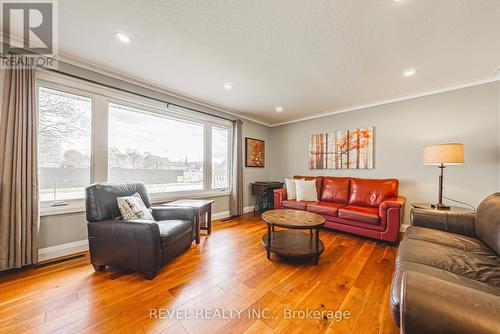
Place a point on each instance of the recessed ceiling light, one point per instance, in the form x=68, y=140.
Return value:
x=122, y=37
x=409, y=72
x=279, y=109
x=228, y=86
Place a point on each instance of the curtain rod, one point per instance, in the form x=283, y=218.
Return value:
x=138, y=94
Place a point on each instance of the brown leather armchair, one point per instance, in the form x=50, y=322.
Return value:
x=447, y=277
x=142, y=246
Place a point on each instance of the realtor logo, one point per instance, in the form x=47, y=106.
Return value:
x=29, y=33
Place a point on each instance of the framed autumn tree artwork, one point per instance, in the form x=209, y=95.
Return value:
x=255, y=152
x=347, y=149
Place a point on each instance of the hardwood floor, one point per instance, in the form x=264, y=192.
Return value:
x=228, y=270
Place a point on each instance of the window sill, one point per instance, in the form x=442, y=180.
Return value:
x=163, y=198
x=72, y=207
x=78, y=206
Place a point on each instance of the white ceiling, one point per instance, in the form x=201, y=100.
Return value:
x=311, y=57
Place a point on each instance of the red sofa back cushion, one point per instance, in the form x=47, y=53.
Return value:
x=372, y=192
x=335, y=189
x=319, y=181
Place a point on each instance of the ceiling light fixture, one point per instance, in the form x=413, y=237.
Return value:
x=409, y=72
x=228, y=86
x=122, y=37
x=279, y=109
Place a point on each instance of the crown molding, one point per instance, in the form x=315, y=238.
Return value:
x=117, y=74
x=495, y=76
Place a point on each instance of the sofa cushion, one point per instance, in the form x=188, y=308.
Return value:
x=319, y=181
x=360, y=213
x=372, y=192
x=452, y=240
x=354, y=223
x=335, y=189
x=405, y=266
x=324, y=208
x=171, y=229
x=293, y=204
x=479, y=267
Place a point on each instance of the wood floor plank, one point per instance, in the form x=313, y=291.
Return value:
x=227, y=270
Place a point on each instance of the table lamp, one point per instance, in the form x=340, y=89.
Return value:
x=443, y=155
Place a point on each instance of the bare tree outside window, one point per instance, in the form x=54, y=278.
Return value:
x=64, y=144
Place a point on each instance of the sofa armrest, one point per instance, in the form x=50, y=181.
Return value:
x=432, y=305
x=133, y=245
x=454, y=222
x=113, y=228
x=171, y=212
x=279, y=197
x=392, y=202
x=391, y=212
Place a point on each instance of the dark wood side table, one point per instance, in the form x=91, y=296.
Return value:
x=428, y=206
x=264, y=191
x=202, y=208
x=424, y=215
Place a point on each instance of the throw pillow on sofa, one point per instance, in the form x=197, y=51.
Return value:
x=133, y=208
x=306, y=190
x=291, y=189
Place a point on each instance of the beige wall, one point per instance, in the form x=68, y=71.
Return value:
x=402, y=129
x=60, y=229
x=252, y=174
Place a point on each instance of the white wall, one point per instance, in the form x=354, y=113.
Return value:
x=402, y=129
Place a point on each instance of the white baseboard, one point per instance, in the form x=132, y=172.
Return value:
x=69, y=248
x=247, y=209
x=225, y=214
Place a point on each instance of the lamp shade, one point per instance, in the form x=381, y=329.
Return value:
x=445, y=154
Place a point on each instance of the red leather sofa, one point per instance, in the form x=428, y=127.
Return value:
x=367, y=207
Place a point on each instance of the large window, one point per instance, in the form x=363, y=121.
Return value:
x=164, y=153
x=89, y=134
x=63, y=145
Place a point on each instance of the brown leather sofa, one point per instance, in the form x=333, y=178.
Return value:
x=447, y=277
x=142, y=246
x=367, y=207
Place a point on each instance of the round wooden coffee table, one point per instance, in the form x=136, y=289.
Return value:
x=289, y=243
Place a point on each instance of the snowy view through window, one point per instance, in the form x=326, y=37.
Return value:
x=167, y=154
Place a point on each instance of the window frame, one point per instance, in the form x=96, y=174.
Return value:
x=101, y=98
